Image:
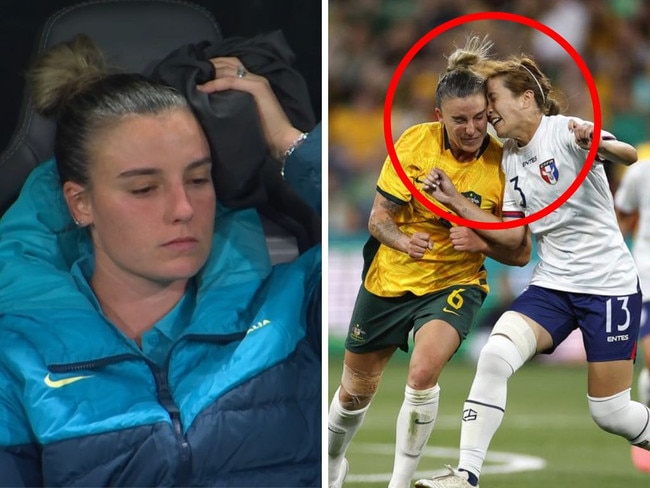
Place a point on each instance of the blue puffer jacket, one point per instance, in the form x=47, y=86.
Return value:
x=236, y=404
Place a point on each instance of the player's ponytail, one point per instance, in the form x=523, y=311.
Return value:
x=463, y=76
x=471, y=56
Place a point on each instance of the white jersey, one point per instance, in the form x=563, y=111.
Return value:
x=580, y=246
x=633, y=196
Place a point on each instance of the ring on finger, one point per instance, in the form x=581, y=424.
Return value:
x=241, y=72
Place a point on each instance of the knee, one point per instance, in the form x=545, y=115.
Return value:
x=610, y=413
x=422, y=377
x=511, y=344
x=513, y=326
x=358, y=388
x=494, y=359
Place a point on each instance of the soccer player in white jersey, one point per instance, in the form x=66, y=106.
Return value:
x=633, y=208
x=586, y=277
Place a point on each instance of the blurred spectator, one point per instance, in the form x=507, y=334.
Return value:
x=570, y=19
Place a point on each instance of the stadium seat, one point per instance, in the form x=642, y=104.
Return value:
x=135, y=35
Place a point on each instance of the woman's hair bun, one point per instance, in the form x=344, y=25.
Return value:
x=64, y=71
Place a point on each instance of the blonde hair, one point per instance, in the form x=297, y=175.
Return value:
x=475, y=53
x=73, y=83
x=64, y=71
x=463, y=76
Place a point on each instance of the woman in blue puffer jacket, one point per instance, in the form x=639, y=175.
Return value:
x=146, y=338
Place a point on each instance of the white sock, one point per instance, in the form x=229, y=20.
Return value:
x=341, y=426
x=414, y=425
x=485, y=406
x=644, y=387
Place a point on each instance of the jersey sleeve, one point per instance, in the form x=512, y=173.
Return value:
x=389, y=184
x=569, y=139
x=513, y=199
x=512, y=205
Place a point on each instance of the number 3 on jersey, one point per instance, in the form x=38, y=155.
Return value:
x=515, y=185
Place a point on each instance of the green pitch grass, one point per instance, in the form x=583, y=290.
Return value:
x=547, y=425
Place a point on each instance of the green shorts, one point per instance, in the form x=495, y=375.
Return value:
x=381, y=322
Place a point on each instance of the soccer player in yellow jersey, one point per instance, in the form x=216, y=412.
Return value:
x=417, y=273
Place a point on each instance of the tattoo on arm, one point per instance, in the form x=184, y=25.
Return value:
x=382, y=225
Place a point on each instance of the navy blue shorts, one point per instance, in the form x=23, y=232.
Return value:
x=645, y=320
x=609, y=324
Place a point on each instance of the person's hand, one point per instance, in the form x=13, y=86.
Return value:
x=583, y=132
x=231, y=74
x=439, y=186
x=419, y=244
x=465, y=239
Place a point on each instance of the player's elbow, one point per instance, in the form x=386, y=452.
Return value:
x=524, y=250
x=634, y=157
x=522, y=259
x=629, y=156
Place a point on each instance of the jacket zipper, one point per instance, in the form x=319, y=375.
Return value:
x=164, y=398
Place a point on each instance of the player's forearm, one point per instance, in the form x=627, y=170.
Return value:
x=383, y=228
x=508, y=238
x=512, y=257
x=617, y=152
x=470, y=211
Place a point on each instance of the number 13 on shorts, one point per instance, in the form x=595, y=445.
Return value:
x=621, y=317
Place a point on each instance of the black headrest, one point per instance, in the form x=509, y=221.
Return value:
x=134, y=35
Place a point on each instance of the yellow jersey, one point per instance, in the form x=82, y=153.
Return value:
x=391, y=273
